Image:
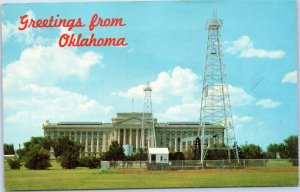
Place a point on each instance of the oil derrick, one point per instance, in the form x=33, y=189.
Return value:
x=148, y=130
x=215, y=103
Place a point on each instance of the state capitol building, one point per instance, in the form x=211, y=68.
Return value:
x=126, y=128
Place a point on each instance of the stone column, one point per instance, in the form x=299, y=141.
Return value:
x=180, y=148
x=110, y=138
x=80, y=136
x=104, y=142
x=175, y=147
x=115, y=135
x=97, y=148
x=130, y=136
x=124, y=137
x=186, y=145
x=137, y=139
x=143, y=138
x=92, y=142
x=86, y=142
x=119, y=134
x=75, y=139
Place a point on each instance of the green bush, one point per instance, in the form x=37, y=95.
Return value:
x=115, y=152
x=37, y=157
x=14, y=163
x=82, y=161
x=67, y=152
x=69, y=159
x=91, y=162
x=176, y=156
x=294, y=162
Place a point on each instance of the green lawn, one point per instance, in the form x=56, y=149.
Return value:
x=278, y=163
x=83, y=178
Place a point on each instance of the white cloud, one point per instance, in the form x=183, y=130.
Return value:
x=27, y=113
x=245, y=48
x=54, y=103
x=290, y=77
x=183, y=84
x=180, y=82
x=242, y=119
x=29, y=36
x=239, y=97
x=46, y=65
x=182, y=112
x=31, y=93
x=7, y=31
x=239, y=121
x=267, y=103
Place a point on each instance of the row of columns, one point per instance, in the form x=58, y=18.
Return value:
x=174, y=143
x=128, y=134
x=86, y=148
x=123, y=139
x=186, y=143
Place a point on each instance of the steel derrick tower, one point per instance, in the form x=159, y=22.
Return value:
x=215, y=102
x=148, y=130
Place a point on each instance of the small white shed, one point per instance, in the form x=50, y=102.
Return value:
x=158, y=155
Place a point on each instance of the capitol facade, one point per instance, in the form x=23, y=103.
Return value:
x=126, y=128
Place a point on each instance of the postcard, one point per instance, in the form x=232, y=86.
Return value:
x=149, y=94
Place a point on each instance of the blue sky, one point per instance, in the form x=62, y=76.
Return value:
x=166, y=46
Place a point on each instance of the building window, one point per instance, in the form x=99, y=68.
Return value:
x=153, y=157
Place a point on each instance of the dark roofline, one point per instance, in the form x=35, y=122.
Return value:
x=79, y=123
x=183, y=123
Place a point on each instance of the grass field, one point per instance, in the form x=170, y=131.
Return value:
x=82, y=178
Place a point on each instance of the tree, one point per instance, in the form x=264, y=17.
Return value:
x=9, y=149
x=67, y=152
x=251, y=151
x=140, y=155
x=14, y=163
x=291, y=148
x=288, y=149
x=216, y=154
x=218, y=151
x=189, y=154
x=291, y=144
x=90, y=162
x=70, y=157
x=34, y=153
x=176, y=156
x=45, y=142
x=37, y=157
x=21, y=153
x=273, y=151
x=277, y=150
x=115, y=152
